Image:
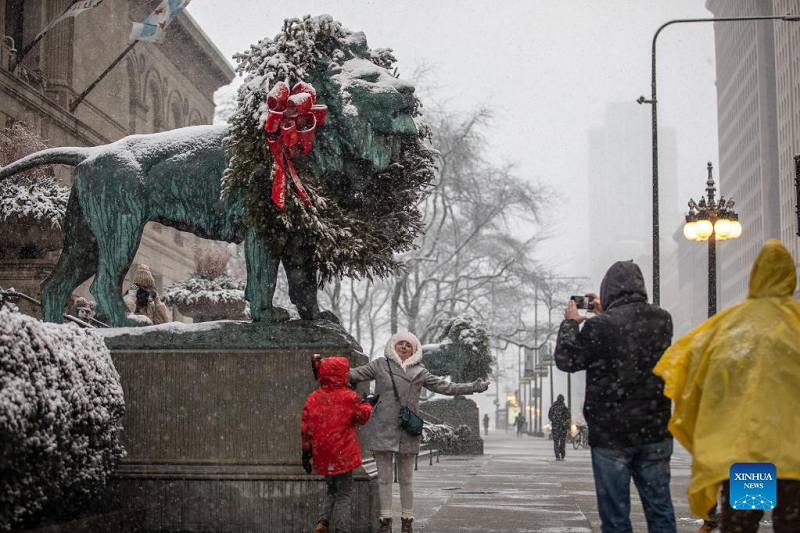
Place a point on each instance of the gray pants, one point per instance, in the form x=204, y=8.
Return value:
x=340, y=491
x=405, y=475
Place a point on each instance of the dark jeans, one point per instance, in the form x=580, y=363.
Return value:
x=648, y=464
x=340, y=490
x=560, y=443
x=785, y=516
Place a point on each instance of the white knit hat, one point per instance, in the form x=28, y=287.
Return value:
x=409, y=338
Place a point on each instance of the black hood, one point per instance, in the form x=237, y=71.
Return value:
x=623, y=280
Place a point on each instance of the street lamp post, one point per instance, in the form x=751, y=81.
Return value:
x=712, y=221
x=653, y=102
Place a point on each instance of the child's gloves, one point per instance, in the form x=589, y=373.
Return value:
x=307, y=461
x=479, y=385
x=371, y=399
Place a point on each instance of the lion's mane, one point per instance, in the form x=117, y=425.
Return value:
x=360, y=216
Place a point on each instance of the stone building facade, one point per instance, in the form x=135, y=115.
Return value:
x=758, y=102
x=155, y=87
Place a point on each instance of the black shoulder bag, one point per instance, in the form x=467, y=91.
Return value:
x=406, y=419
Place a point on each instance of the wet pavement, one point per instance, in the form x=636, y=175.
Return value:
x=518, y=486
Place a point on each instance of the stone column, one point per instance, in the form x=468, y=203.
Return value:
x=58, y=56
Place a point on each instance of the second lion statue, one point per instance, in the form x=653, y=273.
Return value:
x=175, y=178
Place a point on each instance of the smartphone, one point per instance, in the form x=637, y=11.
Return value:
x=583, y=302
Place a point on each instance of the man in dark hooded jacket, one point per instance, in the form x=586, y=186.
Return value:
x=625, y=408
x=559, y=417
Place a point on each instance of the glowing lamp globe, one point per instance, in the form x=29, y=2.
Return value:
x=703, y=228
x=736, y=230
x=689, y=231
x=722, y=228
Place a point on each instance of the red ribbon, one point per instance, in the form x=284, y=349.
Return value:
x=292, y=119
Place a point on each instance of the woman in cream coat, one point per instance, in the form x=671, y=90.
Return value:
x=403, y=354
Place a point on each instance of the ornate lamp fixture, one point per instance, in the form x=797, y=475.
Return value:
x=710, y=221
x=708, y=218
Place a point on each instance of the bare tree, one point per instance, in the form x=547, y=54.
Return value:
x=476, y=256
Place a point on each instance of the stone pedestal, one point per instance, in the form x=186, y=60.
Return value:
x=212, y=425
x=457, y=411
x=26, y=276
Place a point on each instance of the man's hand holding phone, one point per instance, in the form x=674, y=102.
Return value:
x=590, y=302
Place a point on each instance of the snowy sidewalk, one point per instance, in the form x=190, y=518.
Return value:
x=519, y=487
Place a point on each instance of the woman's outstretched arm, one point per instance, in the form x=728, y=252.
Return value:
x=364, y=372
x=440, y=386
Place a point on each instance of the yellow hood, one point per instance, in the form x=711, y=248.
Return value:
x=735, y=379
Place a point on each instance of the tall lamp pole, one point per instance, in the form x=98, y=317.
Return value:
x=712, y=221
x=653, y=102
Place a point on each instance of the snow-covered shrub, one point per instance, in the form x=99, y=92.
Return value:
x=32, y=203
x=444, y=435
x=202, y=290
x=40, y=199
x=61, y=405
x=209, y=293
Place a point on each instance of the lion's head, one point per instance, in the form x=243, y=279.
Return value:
x=369, y=164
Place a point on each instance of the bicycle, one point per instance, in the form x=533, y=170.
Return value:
x=581, y=438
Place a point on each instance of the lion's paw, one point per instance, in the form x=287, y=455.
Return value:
x=275, y=314
x=137, y=321
x=327, y=315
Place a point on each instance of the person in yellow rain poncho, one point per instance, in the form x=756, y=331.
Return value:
x=735, y=381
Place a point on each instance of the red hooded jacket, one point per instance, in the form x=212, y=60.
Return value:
x=329, y=420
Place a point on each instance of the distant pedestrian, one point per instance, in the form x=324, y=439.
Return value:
x=142, y=298
x=625, y=408
x=734, y=380
x=330, y=441
x=559, y=417
x=486, y=425
x=399, y=377
x=82, y=308
x=519, y=423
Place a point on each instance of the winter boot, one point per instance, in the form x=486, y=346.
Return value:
x=322, y=527
x=406, y=526
x=386, y=525
x=707, y=527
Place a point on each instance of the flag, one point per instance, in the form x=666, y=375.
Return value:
x=154, y=27
x=72, y=11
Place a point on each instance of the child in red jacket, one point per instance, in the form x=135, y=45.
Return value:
x=329, y=430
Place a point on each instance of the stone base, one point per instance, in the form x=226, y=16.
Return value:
x=212, y=425
x=122, y=521
x=455, y=412
x=236, y=499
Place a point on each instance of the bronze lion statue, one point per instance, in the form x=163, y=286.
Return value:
x=368, y=168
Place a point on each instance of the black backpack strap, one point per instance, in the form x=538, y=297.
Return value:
x=391, y=375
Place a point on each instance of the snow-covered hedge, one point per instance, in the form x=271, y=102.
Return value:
x=41, y=199
x=199, y=289
x=207, y=298
x=33, y=194
x=444, y=435
x=61, y=405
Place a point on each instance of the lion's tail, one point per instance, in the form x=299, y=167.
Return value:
x=66, y=156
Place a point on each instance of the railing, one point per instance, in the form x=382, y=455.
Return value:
x=13, y=295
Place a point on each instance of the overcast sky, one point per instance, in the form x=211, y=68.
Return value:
x=546, y=67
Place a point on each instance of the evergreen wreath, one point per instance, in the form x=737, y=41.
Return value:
x=352, y=230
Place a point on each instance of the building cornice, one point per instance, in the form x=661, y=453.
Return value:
x=225, y=72
x=21, y=91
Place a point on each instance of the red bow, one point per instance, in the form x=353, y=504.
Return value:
x=291, y=122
